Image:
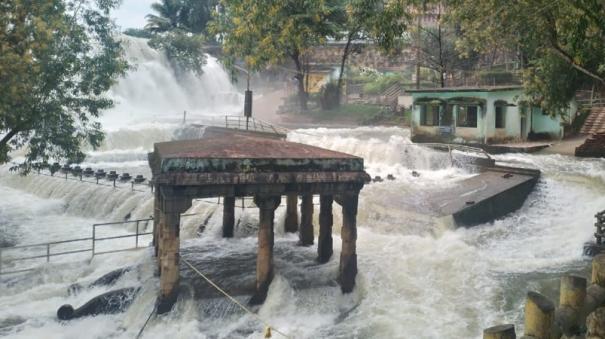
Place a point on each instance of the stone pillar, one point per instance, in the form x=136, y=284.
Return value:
x=500, y=332
x=305, y=233
x=170, y=218
x=264, y=258
x=539, y=316
x=571, y=303
x=324, y=242
x=156, y=221
x=291, y=224
x=228, y=216
x=348, y=255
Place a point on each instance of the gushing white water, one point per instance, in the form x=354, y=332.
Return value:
x=419, y=277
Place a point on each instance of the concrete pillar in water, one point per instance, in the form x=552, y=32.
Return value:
x=569, y=316
x=306, y=235
x=291, y=223
x=539, y=316
x=324, y=242
x=170, y=218
x=598, y=270
x=264, y=258
x=228, y=216
x=348, y=255
x=500, y=332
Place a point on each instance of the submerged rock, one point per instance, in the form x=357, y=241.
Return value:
x=107, y=303
x=595, y=323
x=106, y=280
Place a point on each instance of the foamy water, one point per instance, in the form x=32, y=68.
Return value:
x=418, y=276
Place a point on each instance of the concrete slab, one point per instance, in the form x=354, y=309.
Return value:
x=485, y=197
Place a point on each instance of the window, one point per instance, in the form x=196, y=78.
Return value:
x=500, y=116
x=429, y=115
x=467, y=116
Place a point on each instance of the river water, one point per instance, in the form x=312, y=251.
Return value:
x=420, y=277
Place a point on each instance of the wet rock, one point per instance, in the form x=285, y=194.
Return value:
x=107, y=303
x=378, y=178
x=106, y=280
x=390, y=177
x=415, y=174
x=595, y=323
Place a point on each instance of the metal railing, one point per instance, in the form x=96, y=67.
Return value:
x=251, y=124
x=600, y=227
x=92, y=247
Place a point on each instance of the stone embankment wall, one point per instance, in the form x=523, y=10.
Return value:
x=363, y=56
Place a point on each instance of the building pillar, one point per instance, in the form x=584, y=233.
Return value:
x=156, y=221
x=305, y=233
x=291, y=224
x=264, y=258
x=324, y=242
x=348, y=255
x=170, y=218
x=228, y=216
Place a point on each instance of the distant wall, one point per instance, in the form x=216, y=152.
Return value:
x=362, y=56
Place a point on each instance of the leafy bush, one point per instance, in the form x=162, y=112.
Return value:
x=382, y=82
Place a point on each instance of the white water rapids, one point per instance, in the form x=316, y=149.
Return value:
x=418, y=276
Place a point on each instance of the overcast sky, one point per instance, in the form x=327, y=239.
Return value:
x=131, y=14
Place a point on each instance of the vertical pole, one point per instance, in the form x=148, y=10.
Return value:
x=94, y=229
x=48, y=252
x=264, y=259
x=228, y=216
x=291, y=223
x=348, y=254
x=136, y=237
x=132, y=186
x=305, y=233
x=324, y=246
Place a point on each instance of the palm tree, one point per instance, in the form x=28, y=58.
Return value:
x=169, y=16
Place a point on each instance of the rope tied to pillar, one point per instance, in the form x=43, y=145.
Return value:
x=268, y=327
x=146, y=321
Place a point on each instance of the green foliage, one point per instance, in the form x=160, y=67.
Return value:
x=178, y=28
x=561, y=43
x=58, y=58
x=381, y=82
x=263, y=33
x=138, y=33
x=183, y=49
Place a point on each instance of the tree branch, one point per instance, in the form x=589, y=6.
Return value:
x=560, y=52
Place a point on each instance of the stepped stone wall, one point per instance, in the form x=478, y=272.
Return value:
x=363, y=56
x=593, y=147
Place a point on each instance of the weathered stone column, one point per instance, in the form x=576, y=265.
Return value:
x=539, y=316
x=291, y=223
x=228, y=216
x=156, y=221
x=170, y=218
x=324, y=242
x=572, y=296
x=305, y=233
x=264, y=258
x=348, y=255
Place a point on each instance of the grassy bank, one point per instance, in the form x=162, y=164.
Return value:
x=362, y=114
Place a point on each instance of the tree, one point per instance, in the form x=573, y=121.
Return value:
x=561, y=44
x=57, y=60
x=178, y=29
x=270, y=32
x=435, y=44
x=380, y=22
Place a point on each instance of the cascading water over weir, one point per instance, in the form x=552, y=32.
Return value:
x=419, y=276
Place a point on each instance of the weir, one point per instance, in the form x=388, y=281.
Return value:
x=229, y=163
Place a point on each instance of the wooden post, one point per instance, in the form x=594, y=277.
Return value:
x=500, y=332
x=170, y=218
x=305, y=234
x=598, y=270
x=348, y=255
x=539, y=316
x=571, y=302
x=228, y=216
x=291, y=224
x=324, y=246
x=264, y=258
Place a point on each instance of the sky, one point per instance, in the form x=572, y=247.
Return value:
x=131, y=14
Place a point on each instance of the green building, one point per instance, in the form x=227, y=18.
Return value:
x=484, y=115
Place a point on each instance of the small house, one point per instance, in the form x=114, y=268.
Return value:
x=483, y=115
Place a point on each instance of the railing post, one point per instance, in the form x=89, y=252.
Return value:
x=94, y=229
x=136, y=238
x=48, y=252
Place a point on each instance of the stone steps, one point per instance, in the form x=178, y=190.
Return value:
x=595, y=122
x=593, y=147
